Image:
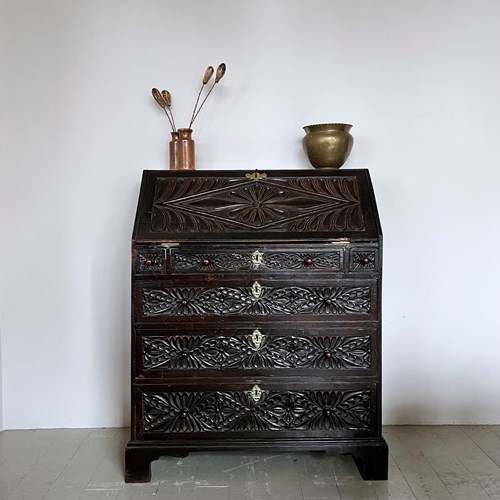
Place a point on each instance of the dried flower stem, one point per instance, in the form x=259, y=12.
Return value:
x=164, y=99
x=221, y=70
x=167, y=98
x=206, y=78
x=171, y=120
x=193, y=116
x=202, y=103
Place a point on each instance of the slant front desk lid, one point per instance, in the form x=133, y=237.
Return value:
x=271, y=205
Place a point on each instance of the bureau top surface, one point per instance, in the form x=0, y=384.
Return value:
x=271, y=205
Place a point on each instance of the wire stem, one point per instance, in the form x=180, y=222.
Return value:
x=171, y=122
x=202, y=103
x=195, y=106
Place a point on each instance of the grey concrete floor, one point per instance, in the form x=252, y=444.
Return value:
x=426, y=462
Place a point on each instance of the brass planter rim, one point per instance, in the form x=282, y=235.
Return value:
x=322, y=125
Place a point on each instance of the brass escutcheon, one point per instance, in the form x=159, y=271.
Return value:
x=255, y=393
x=256, y=290
x=257, y=258
x=257, y=338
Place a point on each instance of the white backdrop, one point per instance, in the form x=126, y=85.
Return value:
x=418, y=80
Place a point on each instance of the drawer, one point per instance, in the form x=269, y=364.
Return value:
x=227, y=259
x=149, y=260
x=348, y=299
x=258, y=409
x=259, y=261
x=363, y=259
x=265, y=350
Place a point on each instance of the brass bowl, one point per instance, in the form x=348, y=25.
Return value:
x=327, y=145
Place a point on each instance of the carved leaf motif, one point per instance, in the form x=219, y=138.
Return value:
x=248, y=415
x=173, y=189
x=156, y=259
x=358, y=260
x=176, y=219
x=274, y=411
x=174, y=412
x=213, y=262
x=341, y=352
x=179, y=352
x=341, y=189
x=286, y=411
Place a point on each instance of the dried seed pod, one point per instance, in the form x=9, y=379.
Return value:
x=158, y=97
x=208, y=74
x=221, y=70
x=167, y=98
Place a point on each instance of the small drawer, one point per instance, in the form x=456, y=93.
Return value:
x=256, y=350
x=259, y=408
x=259, y=259
x=149, y=260
x=363, y=259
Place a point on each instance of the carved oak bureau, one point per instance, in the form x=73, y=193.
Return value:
x=256, y=316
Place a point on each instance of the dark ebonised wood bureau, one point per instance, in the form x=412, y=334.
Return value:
x=256, y=316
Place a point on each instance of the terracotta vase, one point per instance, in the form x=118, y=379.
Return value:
x=328, y=145
x=185, y=150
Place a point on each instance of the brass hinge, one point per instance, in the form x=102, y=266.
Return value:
x=256, y=176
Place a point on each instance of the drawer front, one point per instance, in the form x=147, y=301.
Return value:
x=262, y=298
x=159, y=260
x=363, y=259
x=149, y=260
x=256, y=350
x=261, y=259
x=266, y=409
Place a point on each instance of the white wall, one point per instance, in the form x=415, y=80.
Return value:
x=1, y=385
x=419, y=81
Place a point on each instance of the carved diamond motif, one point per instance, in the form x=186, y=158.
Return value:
x=277, y=204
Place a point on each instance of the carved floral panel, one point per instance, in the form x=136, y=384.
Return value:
x=195, y=352
x=220, y=411
x=245, y=300
x=233, y=261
